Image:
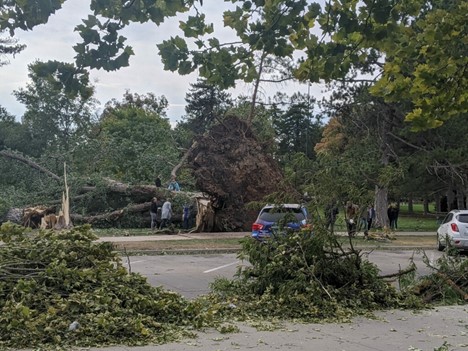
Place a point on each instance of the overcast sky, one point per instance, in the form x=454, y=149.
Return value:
x=54, y=41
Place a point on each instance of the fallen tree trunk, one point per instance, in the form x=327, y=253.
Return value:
x=111, y=216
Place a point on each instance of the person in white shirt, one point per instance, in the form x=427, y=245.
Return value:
x=166, y=214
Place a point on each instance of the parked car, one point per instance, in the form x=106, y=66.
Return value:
x=269, y=218
x=454, y=228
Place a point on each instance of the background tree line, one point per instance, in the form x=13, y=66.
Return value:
x=393, y=128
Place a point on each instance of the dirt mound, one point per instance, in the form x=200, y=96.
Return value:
x=230, y=165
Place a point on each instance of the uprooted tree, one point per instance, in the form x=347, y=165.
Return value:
x=230, y=167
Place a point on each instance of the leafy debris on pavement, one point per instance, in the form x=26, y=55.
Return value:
x=62, y=288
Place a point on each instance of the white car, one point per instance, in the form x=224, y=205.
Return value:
x=453, y=229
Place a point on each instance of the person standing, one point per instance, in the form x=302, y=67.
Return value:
x=166, y=214
x=157, y=181
x=351, y=214
x=154, y=213
x=331, y=211
x=363, y=220
x=370, y=218
x=186, y=216
x=393, y=212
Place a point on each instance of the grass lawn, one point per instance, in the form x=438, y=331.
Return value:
x=410, y=242
x=405, y=224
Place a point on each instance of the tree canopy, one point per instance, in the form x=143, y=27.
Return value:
x=414, y=50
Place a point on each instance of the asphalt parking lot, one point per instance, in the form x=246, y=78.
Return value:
x=441, y=329
x=190, y=275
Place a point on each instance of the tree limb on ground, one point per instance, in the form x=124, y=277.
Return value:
x=398, y=274
x=454, y=286
x=111, y=215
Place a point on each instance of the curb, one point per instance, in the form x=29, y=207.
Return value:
x=178, y=252
x=237, y=250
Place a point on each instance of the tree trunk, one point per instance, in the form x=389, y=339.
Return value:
x=381, y=201
x=438, y=200
x=426, y=205
x=255, y=92
x=410, y=204
x=111, y=216
x=450, y=199
x=460, y=199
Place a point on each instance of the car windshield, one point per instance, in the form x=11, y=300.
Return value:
x=276, y=213
x=463, y=218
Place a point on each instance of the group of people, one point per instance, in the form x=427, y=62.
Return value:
x=161, y=215
x=161, y=211
x=359, y=219
x=173, y=184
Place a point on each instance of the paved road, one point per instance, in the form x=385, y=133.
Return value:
x=390, y=331
x=394, y=330
x=190, y=275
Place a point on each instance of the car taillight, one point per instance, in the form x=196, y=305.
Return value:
x=257, y=226
x=454, y=227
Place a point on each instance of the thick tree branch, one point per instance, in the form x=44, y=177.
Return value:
x=30, y=163
x=182, y=160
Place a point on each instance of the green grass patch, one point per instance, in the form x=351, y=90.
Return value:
x=417, y=224
x=188, y=244
x=407, y=241
x=126, y=232
x=405, y=224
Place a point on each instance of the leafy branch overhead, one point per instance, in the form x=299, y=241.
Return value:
x=415, y=51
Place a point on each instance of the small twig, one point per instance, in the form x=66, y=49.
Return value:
x=312, y=271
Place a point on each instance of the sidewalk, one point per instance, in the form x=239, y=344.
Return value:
x=175, y=236
x=206, y=243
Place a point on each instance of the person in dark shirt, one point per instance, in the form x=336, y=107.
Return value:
x=186, y=216
x=157, y=182
x=392, y=212
x=331, y=212
x=154, y=213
